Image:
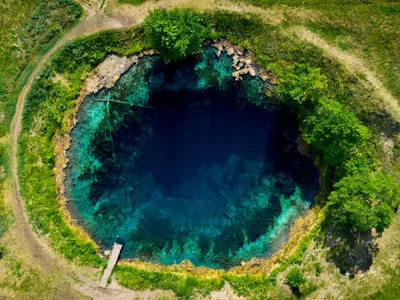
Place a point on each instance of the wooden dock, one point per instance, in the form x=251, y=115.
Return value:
x=112, y=261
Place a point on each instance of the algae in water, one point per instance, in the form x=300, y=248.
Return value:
x=184, y=162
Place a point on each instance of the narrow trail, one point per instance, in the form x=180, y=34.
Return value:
x=34, y=246
x=111, y=16
x=94, y=21
x=353, y=65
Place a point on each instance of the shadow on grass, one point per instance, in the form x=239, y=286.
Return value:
x=351, y=252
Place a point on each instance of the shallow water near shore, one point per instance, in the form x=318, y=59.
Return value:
x=184, y=162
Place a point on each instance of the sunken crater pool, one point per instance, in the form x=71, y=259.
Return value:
x=184, y=162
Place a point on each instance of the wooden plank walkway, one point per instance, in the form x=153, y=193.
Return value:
x=112, y=261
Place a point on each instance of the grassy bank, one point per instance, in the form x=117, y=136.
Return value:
x=28, y=29
x=4, y=214
x=369, y=29
x=182, y=285
x=133, y=2
x=47, y=106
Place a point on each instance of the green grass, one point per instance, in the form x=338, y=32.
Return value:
x=183, y=286
x=258, y=285
x=4, y=214
x=133, y=2
x=248, y=285
x=27, y=29
x=46, y=106
x=391, y=289
x=369, y=28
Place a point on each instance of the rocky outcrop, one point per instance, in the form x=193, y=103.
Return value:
x=243, y=62
x=110, y=70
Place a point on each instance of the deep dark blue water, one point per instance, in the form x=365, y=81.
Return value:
x=190, y=167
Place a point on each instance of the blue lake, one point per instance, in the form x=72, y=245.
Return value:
x=184, y=162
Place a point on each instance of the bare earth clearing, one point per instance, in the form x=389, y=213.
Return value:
x=33, y=250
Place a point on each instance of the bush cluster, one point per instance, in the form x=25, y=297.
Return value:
x=362, y=198
x=295, y=277
x=175, y=33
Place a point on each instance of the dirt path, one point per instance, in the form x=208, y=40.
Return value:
x=94, y=21
x=111, y=16
x=353, y=65
x=35, y=248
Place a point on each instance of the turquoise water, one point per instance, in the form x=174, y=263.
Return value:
x=185, y=163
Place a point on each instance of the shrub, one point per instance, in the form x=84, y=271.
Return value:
x=295, y=278
x=175, y=33
x=365, y=201
x=334, y=130
x=302, y=84
x=318, y=269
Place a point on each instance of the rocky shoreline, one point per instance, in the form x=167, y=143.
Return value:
x=105, y=75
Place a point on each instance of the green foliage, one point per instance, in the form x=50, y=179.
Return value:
x=3, y=162
x=133, y=2
x=47, y=104
x=248, y=285
x=57, y=13
x=257, y=286
x=334, y=130
x=4, y=214
x=396, y=149
x=295, y=277
x=360, y=161
x=363, y=201
x=308, y=289
x=183, y=286
x=318, y=269
x=369, y=27
x=23, y=37
x=78, y=57
x=175, y=33
x=238, y=28
x=302, y=84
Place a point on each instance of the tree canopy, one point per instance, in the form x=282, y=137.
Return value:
x=302, y=83
x=365, y=201
x=334, y=130
x=295, y=277
x=175, y=33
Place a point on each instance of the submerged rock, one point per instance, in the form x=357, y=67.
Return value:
x=188, y=160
